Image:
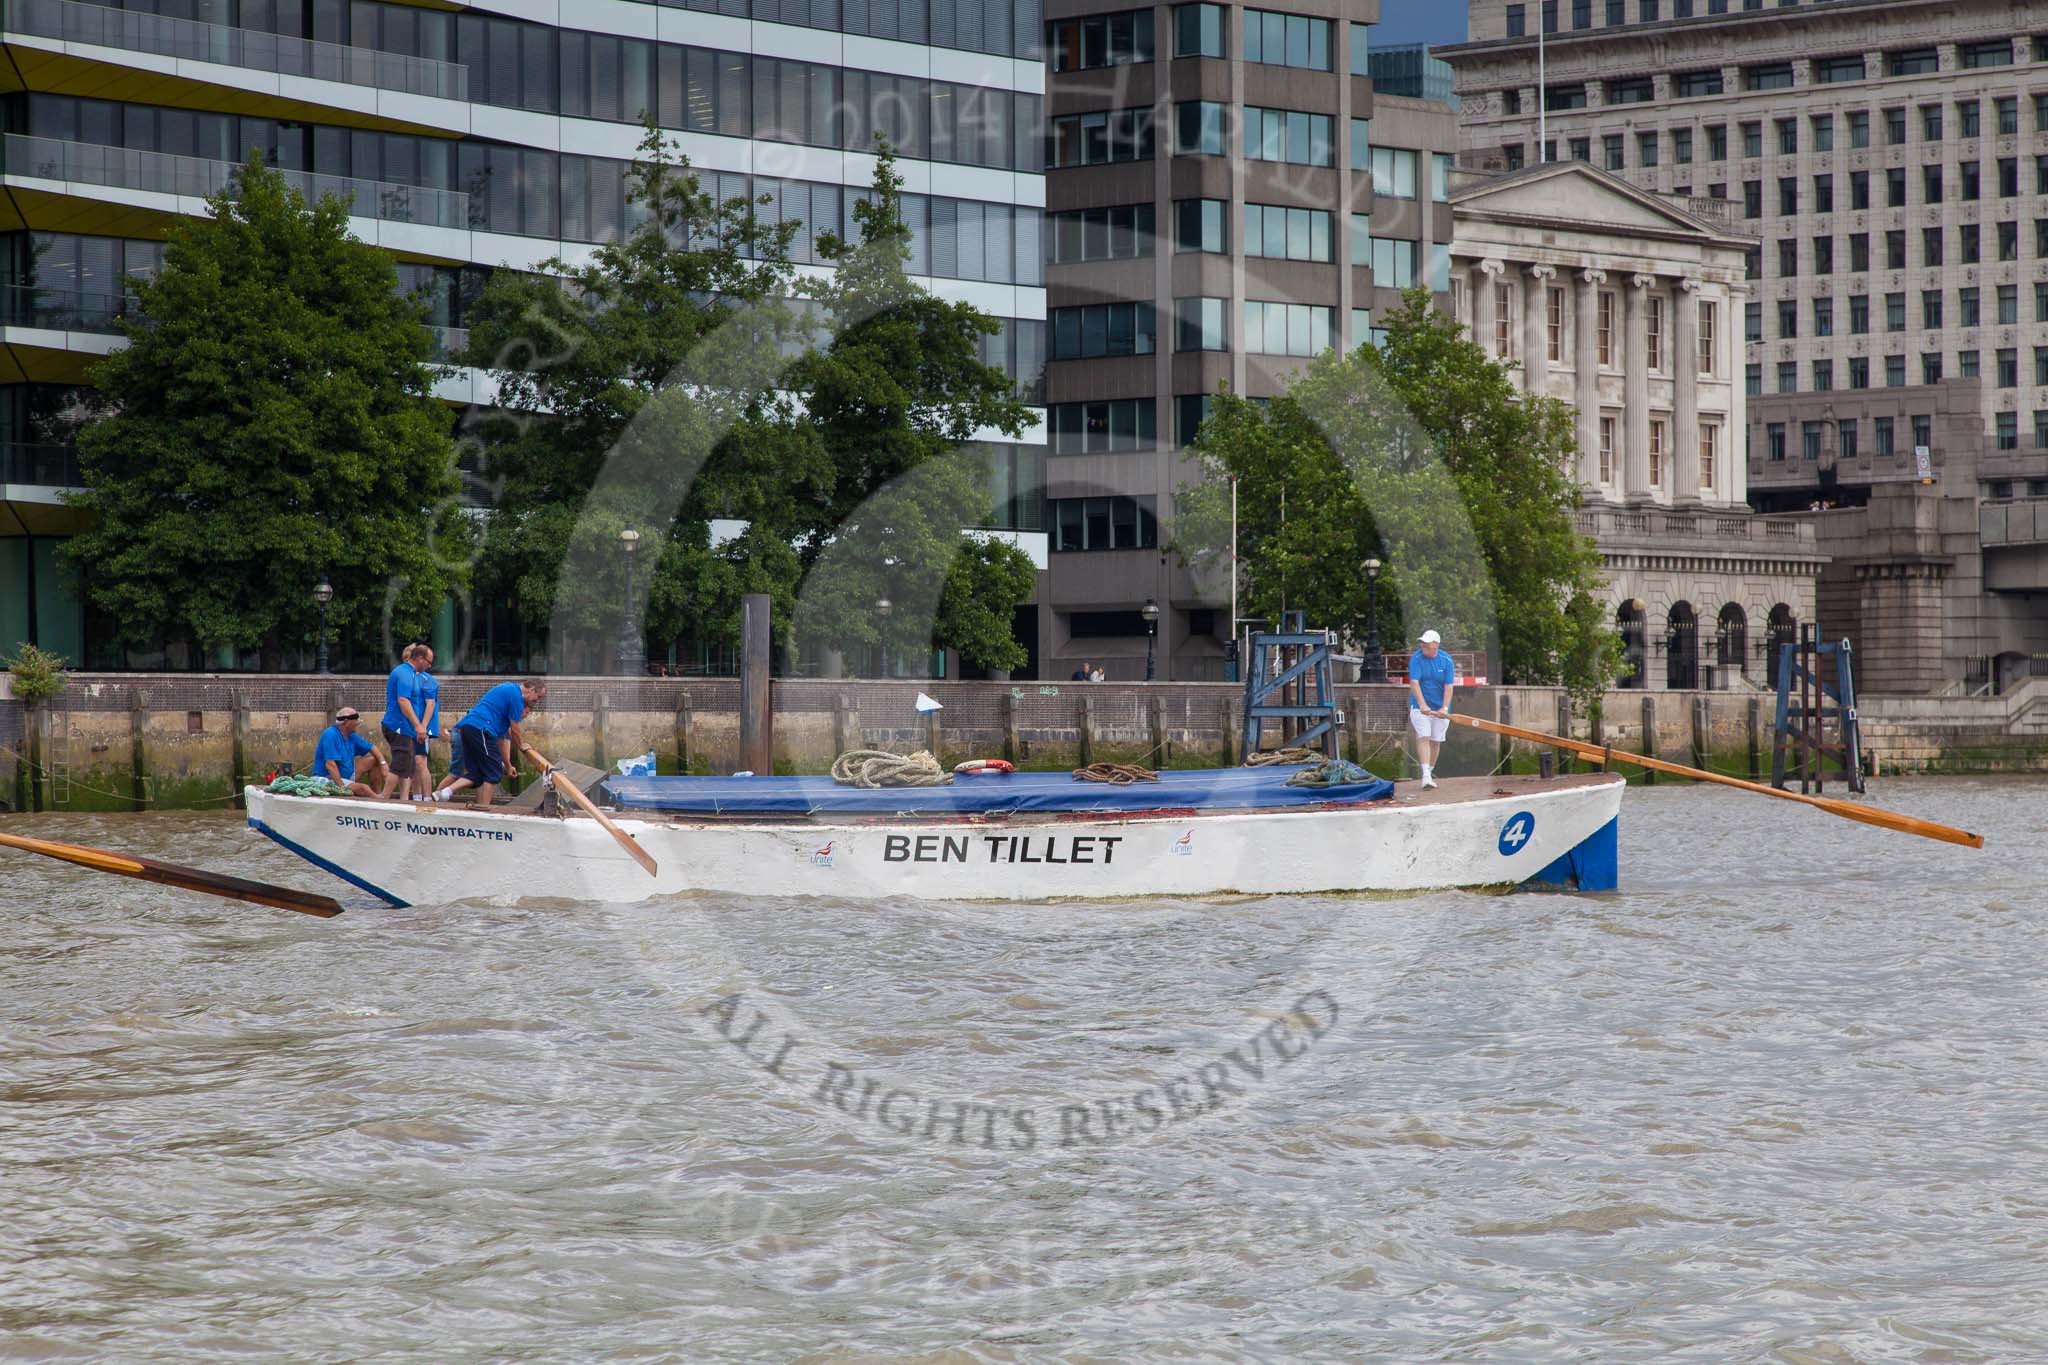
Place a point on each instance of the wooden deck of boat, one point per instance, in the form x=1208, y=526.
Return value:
x=1450, y=791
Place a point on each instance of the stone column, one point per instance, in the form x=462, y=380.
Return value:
x=1586, y=374
x=1536, y=327
x=1734, y=488
x=1635, y=464
x=1685, y=392
x=1483, y=311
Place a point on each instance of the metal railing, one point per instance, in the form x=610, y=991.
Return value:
x=63, y=310
x=163, y=173
x=73, y=21
x=39, y=462
x=449, y=342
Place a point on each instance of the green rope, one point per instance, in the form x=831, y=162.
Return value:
x=301, y=784
x=1336, y=772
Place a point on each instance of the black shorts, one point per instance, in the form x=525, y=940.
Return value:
x=401, y=742
x=481, y=761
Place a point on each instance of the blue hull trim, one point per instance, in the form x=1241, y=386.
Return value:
x=316, y=860
x=1594, y=865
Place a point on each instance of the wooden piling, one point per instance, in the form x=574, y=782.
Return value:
x=1087, y=755
x=757, y=719
x=1162, y=756
x=600, y=731
x=1505, y=753
x=138, y=748
x=1013, y=736
x=1754, y=725
x=1649, y=737
x=682, y=737
x=239, y=737
x=1564, y=730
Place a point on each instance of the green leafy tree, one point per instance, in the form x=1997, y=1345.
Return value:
x=270, y=423
x=895, y=395
x=1423, y=455
x=642, y=389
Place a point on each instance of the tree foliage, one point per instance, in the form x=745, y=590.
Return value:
x=1423, y=455
x=270, y=423
x=678, y=383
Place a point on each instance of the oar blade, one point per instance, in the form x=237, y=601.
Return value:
x=174, y=874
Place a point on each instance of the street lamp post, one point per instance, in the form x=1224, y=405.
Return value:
x=632, y=654
x=1375, y=656
x=883, y=606
x=323, y=595
x=1150, y=611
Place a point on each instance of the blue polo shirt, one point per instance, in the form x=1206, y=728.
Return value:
x=343, y=749
x=403, y=682
x=497, y=710
x=1433, y=675
x=429, y=691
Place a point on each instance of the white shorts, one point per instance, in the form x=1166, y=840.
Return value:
x=1428, y=726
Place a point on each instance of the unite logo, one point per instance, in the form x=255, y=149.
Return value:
x=822, y=857
x=1184, y=847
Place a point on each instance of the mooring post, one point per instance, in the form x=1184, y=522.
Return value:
x=138, y=748
x=931, y=736
x=239, y=739
x=1506, y=716
x=1754, y=724
x=1700, y=728
x=1233, y=731
x=1564, y=730
x=600, y=727
x=845, y=724
x=1161, y=755
x=682, y=732
x=1013, y=738
x=757, y=721
x=1087, y=730
x=1649, y=737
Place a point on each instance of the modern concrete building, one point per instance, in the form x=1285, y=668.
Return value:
x=1619, y=302
x=475, y=137
x=1892, y=154
x=1226, y=197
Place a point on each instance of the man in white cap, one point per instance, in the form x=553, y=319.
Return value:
x=1432, y=677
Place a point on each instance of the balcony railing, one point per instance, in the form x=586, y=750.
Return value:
x=1692, y=526
x=90, y=163
x=44, y=463
x=63, y=310
x=72, y=21
x=449, y=342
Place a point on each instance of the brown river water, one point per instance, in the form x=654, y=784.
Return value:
x=1782, y=1098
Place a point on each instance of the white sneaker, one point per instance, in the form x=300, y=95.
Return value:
x=1428, y=781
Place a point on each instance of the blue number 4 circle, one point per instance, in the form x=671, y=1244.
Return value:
x=1515, y=833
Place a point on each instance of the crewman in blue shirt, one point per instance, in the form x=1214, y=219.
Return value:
x=345, y=758
x=402, y=726
x=429, y=707
x=1432, y=677
x=488, y=735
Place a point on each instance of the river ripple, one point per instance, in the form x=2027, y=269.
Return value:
x=1781, y=1099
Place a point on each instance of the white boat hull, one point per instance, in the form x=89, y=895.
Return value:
x=411, y=855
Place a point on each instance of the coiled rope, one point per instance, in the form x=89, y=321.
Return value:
x=1116, y=774
x=880, y=768
x=1334, y=772
x=1260, y=758
x=304, y=784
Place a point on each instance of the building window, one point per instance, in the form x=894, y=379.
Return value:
x=1829, y=70
x=1198, y=30
x=2008, y=114
x=1859, y=190
x=1972, y=185
x=1606, y=449
x=1275, y=39
x=1299, y=139
x=1681, y=146
x=1091, y=428
x=1693, y=84
x=1967, y=305
x=1912, y=61
x=1581, y=149
x=1709, y=314
x=1710, y=442
x=1881, y=436
x=1717, y=140
x=1393, y=173
x=1653, y=332
x=1656, y=453
x=1823, y=375
x=1823, y=255
x=1788, y=136
x=1770, y=76
x=2041, y=365
x=1788, y=318
x=1895, y=371
x=1752, y=199
x=2008, y=177
x=1845, y=438
x=1646, y=149
x=1554, y=322
x=1895, y=312
x=2040, y=437
x=2008, y=305
x=1282, y=233
x=1824, y=194
x=1997, y=52
x=1630, y=90
x=1752, y=321
x=1118, y=523
x=2008, y=431
x=1788, y=196
x=1930, y=367
x=1895, y=127
x=1930, y=246
x=1111, y=234
x=1859, y=252
x=2008, y=361
x=1518, y=22
x=1859, y=372
x=1098, y=138
x=1895, y=249
x=1503, y=321
x=1101, y=40
x=1101, y=329
x=1810, y=438
x=1788, y=376
x=1201, y=225
x=1606, y=312
x=1774, y=440
x=1296, y=329
x=1393, y=262
x=1199, y=125
x=1859, y=314
x=1971, y=238
x=1969, y=114
x=1859, y=128
x=1203, y=324
x=1611, y=149
x=1753, y=379
x=1930, y=309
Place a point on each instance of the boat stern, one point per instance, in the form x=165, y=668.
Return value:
x=1592, y=864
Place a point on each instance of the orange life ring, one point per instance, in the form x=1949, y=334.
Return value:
x=985, y=765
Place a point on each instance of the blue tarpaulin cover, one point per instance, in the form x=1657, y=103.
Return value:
x=984, y=793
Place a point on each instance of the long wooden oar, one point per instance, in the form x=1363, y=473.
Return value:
x=626, y=841
x=1848, y=810
x=171, y=874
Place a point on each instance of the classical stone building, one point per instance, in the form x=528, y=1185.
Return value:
x=1619, y=302
x=1893, y=155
